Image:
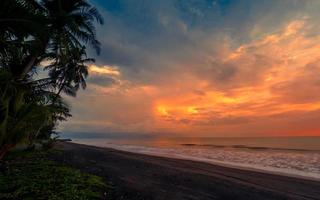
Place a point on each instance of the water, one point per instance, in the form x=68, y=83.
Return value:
x=297, y=156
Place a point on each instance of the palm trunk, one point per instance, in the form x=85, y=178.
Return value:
x=61, y=88
x=32, y=60
x=27, y=68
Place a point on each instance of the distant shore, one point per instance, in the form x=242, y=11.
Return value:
x=138, y=176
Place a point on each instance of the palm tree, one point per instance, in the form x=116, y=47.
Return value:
x=70, y=71
x=21, y=24
x=68, y=24
x=32, y=31
x=26, y=109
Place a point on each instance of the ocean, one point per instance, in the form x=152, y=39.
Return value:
x=292, y=156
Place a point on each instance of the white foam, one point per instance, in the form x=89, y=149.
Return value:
x=290, y=163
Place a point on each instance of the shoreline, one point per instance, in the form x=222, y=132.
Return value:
x=266, y=170
x=139, y=176
x=273, y=171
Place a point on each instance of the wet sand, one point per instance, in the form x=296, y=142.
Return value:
x=138, y=176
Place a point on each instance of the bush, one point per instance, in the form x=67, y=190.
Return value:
x=32, y=176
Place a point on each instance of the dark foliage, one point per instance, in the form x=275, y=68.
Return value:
x=41, y=35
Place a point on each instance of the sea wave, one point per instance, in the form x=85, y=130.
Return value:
x=247, y=147
x=304, y=164
x=301, y=164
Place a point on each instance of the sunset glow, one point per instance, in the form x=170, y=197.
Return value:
x=108, y=70
x=263, y=82
x=160, y=99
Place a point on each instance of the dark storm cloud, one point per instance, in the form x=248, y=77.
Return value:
x=101, y=80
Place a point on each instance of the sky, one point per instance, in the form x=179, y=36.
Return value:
x=203, y=68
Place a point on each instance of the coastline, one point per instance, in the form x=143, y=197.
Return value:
x=267, y=170
x=140, y=176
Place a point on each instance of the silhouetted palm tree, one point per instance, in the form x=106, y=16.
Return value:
x=70, y=71
x=51, y=26
x=69, y=24
x=33, y=31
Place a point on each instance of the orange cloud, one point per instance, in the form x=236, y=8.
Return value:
x=280, y=68
x=269, y=86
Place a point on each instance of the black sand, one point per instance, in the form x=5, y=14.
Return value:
x=138, y=176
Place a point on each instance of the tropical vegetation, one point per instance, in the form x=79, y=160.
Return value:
x=50, y=180
x=42, y=56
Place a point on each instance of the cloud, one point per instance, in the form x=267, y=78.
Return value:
x=101, y=80
x=270, y=76
x=104, y=76
x=105, y=70
x=206, y=67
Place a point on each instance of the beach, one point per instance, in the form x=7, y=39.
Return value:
x=139, y=176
